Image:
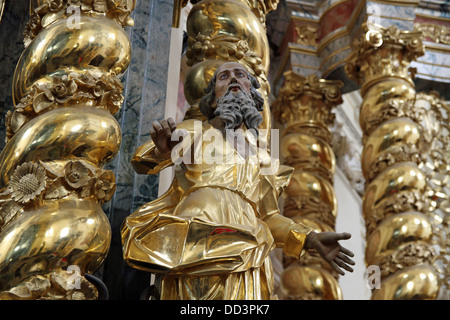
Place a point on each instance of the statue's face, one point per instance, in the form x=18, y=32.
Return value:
x=231, y=74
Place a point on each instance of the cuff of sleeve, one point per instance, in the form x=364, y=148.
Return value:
x=145, y=160
x=294, y=246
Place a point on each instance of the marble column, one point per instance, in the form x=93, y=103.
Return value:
x=145, y=86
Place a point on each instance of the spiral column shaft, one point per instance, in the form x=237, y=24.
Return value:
x=394, y=204
x=304, y=106
x=60, y=133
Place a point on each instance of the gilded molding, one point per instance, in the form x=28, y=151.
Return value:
x=314, y=208
x=261, y=8
x=396, y=201
x=405, y=153
x=306, y=35
x=402, y=202
x=390, y=109
x=434, y=32
x=177, y=6
x=410, y=255
x=60, y=133
x=2, y=7
x=436, y=167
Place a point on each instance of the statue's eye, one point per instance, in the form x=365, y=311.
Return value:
x=223, y=76
x=240, y=74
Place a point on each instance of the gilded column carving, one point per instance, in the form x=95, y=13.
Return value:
x=226, y=30
x=304, y=106
x=60, y=133
x=436, y=166
x=395, y=204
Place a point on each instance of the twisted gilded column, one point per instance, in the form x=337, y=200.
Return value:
x=395, y=206
x=226, y=30
x=304, y=106
x=60, y=133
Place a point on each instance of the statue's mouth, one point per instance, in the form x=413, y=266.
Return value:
x=234, y=88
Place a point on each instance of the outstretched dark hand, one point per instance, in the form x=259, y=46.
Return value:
x=327, y=245
x=161, y=133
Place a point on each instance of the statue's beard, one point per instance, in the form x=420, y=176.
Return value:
x=237, y=108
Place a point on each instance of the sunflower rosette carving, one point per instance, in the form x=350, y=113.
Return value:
x=34, y=182
x=27, y=182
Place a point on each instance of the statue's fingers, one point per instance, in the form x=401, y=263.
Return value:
x=345, y=259
x=157, y=127
x=153, y=134
x=347, y=252
x=166, y=128
x=336, y=267
x=172, y=124
x=342, y=264
x=343, y=236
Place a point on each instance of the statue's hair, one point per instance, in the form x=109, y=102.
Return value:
x=205, y=103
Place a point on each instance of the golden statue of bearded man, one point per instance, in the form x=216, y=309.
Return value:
x=210, y=235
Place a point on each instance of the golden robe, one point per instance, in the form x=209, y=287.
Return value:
x=210, y=235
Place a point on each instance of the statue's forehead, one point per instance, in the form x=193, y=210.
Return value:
x=230, y=66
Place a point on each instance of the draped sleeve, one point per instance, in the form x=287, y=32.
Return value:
x=289, y=235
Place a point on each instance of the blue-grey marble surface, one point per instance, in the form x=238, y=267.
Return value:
x=145, y=95
x=388, y=15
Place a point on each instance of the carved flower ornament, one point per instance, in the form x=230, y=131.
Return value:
x=27, y=182
x=77, y=174
x=104, y=186
x=104, y=91
x=60, y=91
x=56, y=179
x=90, y=180
x=53, y=180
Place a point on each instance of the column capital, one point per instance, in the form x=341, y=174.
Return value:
x=306, y=99
x=379, y=53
